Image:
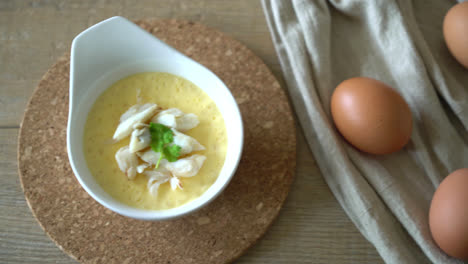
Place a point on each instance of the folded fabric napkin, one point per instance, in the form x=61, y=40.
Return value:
x=399, y=42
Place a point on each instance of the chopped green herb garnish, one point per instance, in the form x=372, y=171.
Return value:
x=161, y=139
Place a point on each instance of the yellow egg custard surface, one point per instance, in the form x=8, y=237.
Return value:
x=167, y=91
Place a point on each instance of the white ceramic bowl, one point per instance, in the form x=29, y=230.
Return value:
x=112, y=50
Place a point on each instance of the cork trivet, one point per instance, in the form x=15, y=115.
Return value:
x=218, y=233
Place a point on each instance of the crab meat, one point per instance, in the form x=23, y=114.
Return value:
x=167, y=117
x=142, y=167
x=149, y=156
x=152, y=158
x=127, y=162
x=155, y=179
x=175, y=118
x=140, y=139
x=187, y=122
x=186, y=167
x=134, y=110
x=187, y=143
x=136, y=114
x=175, y=183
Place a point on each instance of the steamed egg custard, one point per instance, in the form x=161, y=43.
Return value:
x=155, y=141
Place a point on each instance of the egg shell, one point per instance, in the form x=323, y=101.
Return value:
x=455, y=30
x=448, y=214
x=371, y=115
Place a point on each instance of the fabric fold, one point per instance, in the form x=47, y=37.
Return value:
x=321, y=43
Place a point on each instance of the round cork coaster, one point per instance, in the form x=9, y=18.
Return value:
x=218, y=233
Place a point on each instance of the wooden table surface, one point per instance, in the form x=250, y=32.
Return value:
x=311, y=228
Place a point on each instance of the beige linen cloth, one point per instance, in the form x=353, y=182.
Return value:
x=321, y=43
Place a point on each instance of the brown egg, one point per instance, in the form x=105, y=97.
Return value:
x=448, y=215
x=371, y=116
x=456, y=32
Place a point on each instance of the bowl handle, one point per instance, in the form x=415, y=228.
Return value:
x=106, y=45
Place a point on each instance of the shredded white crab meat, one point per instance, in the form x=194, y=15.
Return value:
x=142, y=167
x=175, y=183
x=134, y=122
x=155, y=179
x=187, y=143
x=140, y=139
x=127, y=161
x=175, y=118
x=186, y=167
x=151, y=157
x=136, y=114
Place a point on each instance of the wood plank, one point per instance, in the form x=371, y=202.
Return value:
x=22, y=240
x=14, y=97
